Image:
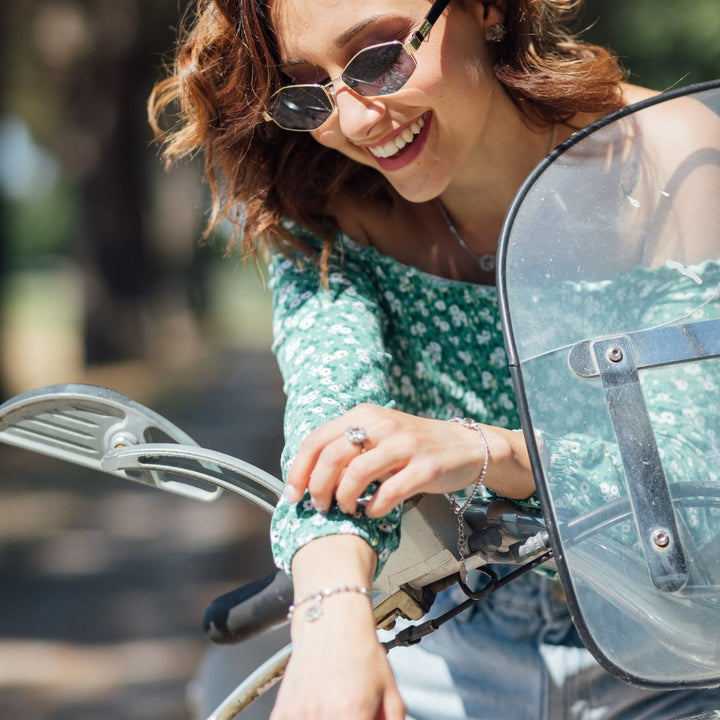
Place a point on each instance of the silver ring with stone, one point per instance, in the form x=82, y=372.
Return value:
x=357, y=436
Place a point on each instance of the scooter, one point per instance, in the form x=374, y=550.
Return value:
x=104, y=430
x=609, y=285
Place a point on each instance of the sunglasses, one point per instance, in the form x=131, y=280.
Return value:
x=376, y=70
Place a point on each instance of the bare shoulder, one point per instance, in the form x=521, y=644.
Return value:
x=680, y=145
x=350, y=217
x=683, y=125
x=384, y=223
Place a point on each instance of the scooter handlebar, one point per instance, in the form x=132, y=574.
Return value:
x=249, y=610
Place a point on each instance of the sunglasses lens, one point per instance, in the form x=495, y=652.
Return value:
x=301, y=107
x=379, y=70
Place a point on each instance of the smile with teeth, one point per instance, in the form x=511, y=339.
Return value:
x=394, y=146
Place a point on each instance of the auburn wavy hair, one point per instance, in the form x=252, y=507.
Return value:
x=226, y=66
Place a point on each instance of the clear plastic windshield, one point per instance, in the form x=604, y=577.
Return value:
x=610, y=287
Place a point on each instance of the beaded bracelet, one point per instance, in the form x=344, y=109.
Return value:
x=456, y=507
x=315, y=610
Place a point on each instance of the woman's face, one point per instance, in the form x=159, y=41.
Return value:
x=423, y=137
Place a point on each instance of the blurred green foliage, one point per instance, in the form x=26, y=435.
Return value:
x=56, y=47
x=662, y=43
x=42, y=225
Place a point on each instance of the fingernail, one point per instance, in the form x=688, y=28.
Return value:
x=292, y=494
x=317, y=506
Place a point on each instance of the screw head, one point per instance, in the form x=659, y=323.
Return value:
x=614, y=354
x=661, y=538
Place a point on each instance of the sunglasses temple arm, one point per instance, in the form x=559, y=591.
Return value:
x=423, y=31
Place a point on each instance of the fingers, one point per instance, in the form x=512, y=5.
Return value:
x=361, y=455
x=323, y=457
x=315, y=443
x=327, y=453
x=404, y=453
x=331, y=467
x=377, y=465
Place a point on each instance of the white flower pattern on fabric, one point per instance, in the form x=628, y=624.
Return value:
x=384, y=333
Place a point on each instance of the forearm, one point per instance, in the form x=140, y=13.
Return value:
x=344, y=627
x=334, y=648
x=509, y=472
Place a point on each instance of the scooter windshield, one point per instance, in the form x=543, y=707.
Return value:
x=609, y=280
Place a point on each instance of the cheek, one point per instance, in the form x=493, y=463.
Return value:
x=327, y=137
x=453, y=76
x=332, y=138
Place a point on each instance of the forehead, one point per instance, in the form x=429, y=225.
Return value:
x=307, y=27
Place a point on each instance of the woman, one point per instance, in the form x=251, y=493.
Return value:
x=373, y=148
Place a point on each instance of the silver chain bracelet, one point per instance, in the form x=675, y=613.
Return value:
x=314, y=612
x=457, y=508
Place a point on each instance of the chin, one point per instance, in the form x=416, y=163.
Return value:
x=415, y=194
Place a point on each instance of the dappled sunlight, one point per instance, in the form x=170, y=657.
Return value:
x=72, y=672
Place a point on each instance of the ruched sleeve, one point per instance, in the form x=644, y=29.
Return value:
x=328, y=341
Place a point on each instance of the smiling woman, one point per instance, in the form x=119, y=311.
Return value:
x=233, y=46
x=380, y=69
x=372, y=151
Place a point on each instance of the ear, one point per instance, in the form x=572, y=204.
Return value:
x=491, y=12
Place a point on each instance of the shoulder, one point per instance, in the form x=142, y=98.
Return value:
x=384, y=221
x=679, y=140
x=350, y=218
x=675, y=128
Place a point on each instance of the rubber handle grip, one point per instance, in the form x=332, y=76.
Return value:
x=249, y=610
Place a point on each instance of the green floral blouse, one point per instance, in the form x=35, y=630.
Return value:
x=386, y=333
x=382, y=333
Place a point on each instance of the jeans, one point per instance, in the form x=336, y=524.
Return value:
x=517, y=656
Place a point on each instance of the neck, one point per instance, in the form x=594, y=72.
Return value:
x=479, y=199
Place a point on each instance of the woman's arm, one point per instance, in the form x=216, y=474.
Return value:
x=329, y=346
x=409, y=455
x=338, y=669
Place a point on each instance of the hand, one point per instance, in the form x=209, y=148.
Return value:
x=408, y=454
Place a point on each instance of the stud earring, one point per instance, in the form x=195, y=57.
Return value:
x=497, y=32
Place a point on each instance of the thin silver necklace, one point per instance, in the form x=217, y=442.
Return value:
x=486, y=261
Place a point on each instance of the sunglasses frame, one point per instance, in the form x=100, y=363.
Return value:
x=410, y=47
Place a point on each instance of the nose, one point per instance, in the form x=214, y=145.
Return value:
x=357, y=115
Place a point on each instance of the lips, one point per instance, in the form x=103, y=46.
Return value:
x=399, y=142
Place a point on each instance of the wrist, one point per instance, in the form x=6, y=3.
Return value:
x=345, y=617
x=312, y=603
x=510, y=473
x=333, y=561
x=326, y=565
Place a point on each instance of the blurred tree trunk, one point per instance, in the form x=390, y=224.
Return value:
x=118, y=264
x=128, y=273
x=81, y=78
x=4, y=31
